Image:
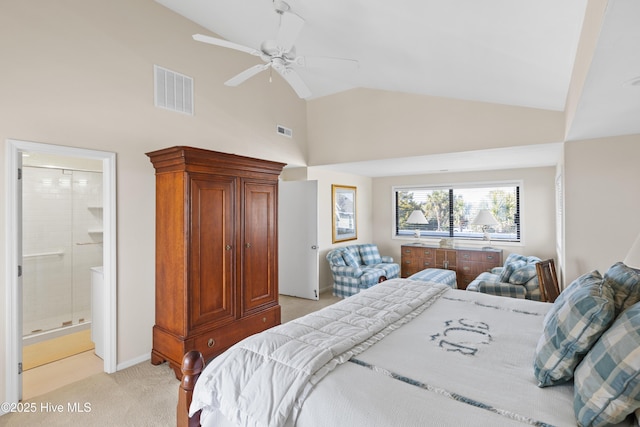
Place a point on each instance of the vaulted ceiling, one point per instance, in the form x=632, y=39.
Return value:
x=514, y=53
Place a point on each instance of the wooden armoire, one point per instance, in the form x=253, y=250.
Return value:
x=216, y=251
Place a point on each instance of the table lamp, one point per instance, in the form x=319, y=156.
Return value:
x=485, y=219
x=417, y=217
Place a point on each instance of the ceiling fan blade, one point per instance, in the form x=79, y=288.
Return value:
x=246, y=74
x=326, y=62
x=225, y=43
x=294, y=81
x=290, y=27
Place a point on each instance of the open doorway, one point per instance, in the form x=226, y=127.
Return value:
x=75, y=289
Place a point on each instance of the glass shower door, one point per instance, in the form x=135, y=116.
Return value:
x=47, y=249
x=62, y=241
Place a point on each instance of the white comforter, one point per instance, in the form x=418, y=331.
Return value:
x=263, y=379
x=448, y=357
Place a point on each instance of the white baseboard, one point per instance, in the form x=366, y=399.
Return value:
x=129, y=363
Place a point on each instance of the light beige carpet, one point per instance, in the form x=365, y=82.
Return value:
x=142, y=395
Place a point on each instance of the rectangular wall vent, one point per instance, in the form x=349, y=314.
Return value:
x=284, y=131
x=173, y=91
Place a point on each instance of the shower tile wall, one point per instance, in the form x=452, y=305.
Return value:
x=62, y=240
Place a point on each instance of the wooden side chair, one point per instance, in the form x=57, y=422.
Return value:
x=547, y=280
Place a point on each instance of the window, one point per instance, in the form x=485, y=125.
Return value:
x=450, y=211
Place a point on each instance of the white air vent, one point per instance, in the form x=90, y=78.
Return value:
x=173, y=91
x=284, y=131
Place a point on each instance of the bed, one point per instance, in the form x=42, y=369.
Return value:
x=403, y=352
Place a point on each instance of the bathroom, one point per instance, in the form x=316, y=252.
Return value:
x=62, y=251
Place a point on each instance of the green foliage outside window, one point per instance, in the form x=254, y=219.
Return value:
x=451, y=211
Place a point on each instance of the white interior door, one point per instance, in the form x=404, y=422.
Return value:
x=298, y=239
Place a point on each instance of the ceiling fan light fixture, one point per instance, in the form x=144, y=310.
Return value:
x=281, y=6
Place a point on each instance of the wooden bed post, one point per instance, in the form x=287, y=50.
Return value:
x=192, y=366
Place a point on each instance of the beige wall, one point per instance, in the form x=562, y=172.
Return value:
x=80, y=73
x=537, y=209
x=366, y=124
x=602, y=203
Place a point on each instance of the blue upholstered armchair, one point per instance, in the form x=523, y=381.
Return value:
x=358, y=267
x=517, y=278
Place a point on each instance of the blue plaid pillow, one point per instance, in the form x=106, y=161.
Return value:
x=350, y=259
x=607, y=382
x=625, y=282
x=335, y=258
x=578, y=317
x=523, y=274
x=509, y=268
x=370, y=254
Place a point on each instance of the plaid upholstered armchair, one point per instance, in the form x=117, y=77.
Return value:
x=358, y=267
x=517, y=278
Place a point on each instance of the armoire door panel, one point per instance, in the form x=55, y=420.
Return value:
x=212, y=253
x=260, y=248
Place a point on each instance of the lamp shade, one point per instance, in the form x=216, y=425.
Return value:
x=484, y=217
x=417, y=217
x=633, y=256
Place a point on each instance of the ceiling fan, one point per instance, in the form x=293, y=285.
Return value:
x=279, y=54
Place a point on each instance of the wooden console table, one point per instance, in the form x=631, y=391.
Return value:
x=468, y=263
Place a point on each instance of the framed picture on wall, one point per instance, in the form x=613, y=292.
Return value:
x=343, y=201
